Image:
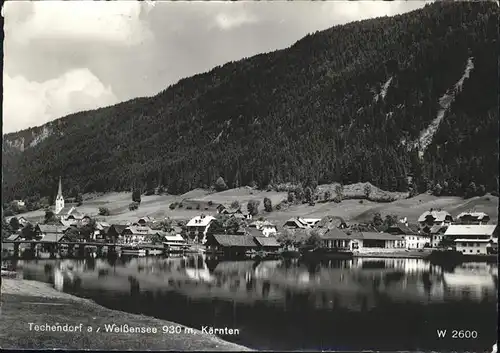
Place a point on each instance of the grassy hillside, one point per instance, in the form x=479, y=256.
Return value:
x=354, y=211
x=373, y=100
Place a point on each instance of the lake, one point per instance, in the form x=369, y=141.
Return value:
x=357, y=304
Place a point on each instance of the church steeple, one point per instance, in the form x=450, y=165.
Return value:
x=59, y=192
x=59, y=198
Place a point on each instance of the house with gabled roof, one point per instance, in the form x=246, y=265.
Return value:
x=333, y=238
x=197, y=227
x=267, y=243
x=472, y=218
x=435, y=217
x=136, y=234
x=295, y=223
x=474, y=239
x=265, y=227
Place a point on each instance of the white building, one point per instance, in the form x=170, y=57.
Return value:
x=473, y=239
x=266, y=227
x=417, y=241
x=198, y=226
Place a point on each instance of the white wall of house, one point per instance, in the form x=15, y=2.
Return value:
x=417, y=241
x=472, y=247
x=268, y=231
x=436, y=240
x=358, y=245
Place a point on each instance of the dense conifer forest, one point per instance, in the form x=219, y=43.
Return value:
x=347, y=104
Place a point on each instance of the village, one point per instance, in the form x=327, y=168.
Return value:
x=228, y=231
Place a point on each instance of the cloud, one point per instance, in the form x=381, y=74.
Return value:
x=228, y=20
x=27, y=103
x=116, y=22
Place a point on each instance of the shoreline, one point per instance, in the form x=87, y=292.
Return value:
x=34, y=316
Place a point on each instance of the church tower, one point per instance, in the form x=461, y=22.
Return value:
x=59, y=199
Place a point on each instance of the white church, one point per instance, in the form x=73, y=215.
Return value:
x=67, y=213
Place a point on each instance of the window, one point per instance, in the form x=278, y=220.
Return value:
x=478, y=250
x=470, y=250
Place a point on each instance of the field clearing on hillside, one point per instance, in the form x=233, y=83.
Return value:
x=353, y=211
x=243, y=195
x=358, y=191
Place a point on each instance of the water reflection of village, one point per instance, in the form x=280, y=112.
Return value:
x=356, y=284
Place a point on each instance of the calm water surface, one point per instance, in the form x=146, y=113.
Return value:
x=379, y=304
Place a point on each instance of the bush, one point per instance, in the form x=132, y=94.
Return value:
x=173, y=205
x=133, y=206
x=149, y=192
x=103, y=211
x=278, y=207
x=220, y=184
x=253, y=207
x=180, y=205
x=210, y=203
x=160, y=190
x=136, y=196
x=235, y=204
x=268, y=206
x=337, y=199
x=360, y=201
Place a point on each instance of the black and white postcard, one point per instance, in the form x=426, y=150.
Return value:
x=250, y=175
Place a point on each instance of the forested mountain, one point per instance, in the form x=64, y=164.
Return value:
x=373, y=100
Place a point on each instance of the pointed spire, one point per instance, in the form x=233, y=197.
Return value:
x=59, y=192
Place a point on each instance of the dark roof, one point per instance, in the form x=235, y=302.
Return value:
x=266, y=241
x=253, y=232
x=334, y=233
x=119, y=227
x=403, y=228
x=52, y=228
x=13, y=237
x=330, y=221
x=52, y=237
x=229, y=240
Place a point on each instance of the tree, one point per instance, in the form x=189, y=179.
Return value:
x=166, y=225
x=481, y=190
x=160, y=190
x=136, y=196
x=437, y=190
x=220, y=184
x=14, y=224
x=291, y=197
x=235, y=204
x=50, y=217
x=253, y=207
x=268, y=206
x=308, y=194
x=79, y=199
x=471, y=190
x=103, y=211
x=367, y=189
x=390, y=221
x=6, y=231
x=339, y=190
x=377, y=220
x=299, y=193
x=28, y=232
x=154, y=238
x=73, y=234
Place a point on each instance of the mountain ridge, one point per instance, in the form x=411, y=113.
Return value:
x=307, y=113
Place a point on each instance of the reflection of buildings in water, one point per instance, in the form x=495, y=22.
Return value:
x=58, y=280
x=471, y=281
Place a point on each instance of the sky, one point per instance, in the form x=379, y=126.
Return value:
x=62, y=57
